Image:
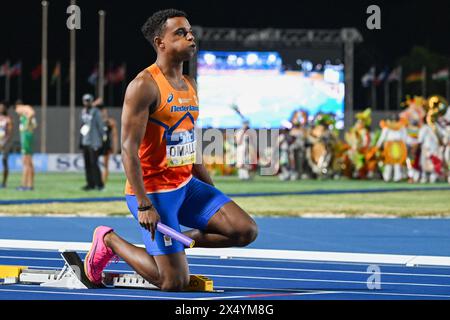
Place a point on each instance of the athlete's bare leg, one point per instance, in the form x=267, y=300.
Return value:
x=5, y=169
x=30, y=173
x=105, y=174
x=24, y=170
x=168, y=272
x=231, y=226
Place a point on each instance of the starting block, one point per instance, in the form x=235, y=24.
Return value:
x=196, y=282
x=72, y=276
x=10, y=274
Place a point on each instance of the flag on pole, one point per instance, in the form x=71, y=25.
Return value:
x=415, y=77
x=4, y=69
x=116, y=76
x=56, y=73
x=109, y=78
x=93, y=78
x=368, y=77
x=440, y=75
x=121, y=72
x=394, y=75
x=381, y=77
x=36, y=72
x=16, y=70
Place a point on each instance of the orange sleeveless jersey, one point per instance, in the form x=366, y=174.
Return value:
x=167, y=151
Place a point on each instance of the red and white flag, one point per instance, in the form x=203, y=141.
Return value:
x=395, y=74
x=4, y=70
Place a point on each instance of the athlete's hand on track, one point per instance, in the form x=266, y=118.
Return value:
x=149, y=219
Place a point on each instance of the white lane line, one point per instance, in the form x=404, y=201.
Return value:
x=254, y=253
x=296, y=270
x=270, y=289
x=323, y=280
x=264, y=268
x=394, y=294
x=317, y=270
x=256, y=296
x=227, y=297
x=30, y=258
x=322, y=262
x=418, y=295
x=285, y=256
x=109, y=295
x=282, y=279
x=342, y=292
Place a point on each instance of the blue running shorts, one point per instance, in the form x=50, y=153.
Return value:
x=192, y=206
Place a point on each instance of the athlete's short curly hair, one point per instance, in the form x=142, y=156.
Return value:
x=154, y=26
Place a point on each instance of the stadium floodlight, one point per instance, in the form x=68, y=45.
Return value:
x=288, y=37
x=252, y=58
x=272, y=58
x=307, y=66
x=210, y=58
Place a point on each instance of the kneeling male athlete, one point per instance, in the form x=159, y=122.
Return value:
x=163, y=181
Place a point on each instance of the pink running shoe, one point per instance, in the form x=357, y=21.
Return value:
x=98, y=256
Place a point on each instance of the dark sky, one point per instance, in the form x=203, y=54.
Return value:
x=404, y=24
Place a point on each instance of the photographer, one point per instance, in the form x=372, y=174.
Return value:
x=91, y=142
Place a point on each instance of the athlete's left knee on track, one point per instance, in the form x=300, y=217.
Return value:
x=247, y=234
x=175, y=283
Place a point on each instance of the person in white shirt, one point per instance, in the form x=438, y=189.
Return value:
x=246, y=157
x=6, y=126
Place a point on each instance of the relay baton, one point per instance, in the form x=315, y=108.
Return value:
x=188, y=242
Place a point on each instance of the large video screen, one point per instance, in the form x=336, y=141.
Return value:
x=263, y=89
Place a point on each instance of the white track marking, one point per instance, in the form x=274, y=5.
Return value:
x=340, y=292
x=30, y=258
x=109, y=295
x=214, y=257
x=281, y=279
x=263, y=294
x=435, y=296
x=262, y=268
x=318, y=270
x=229, y=297
x=317, y=262
x=271, y=289
x=289, y=279
x=323, y=280
x=255, y=253
x=394, y=294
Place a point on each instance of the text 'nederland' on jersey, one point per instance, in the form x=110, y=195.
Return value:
x=168, y=149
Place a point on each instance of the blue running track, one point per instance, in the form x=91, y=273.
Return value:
x=249, y=278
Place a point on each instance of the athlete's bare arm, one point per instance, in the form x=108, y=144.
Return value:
x=115, y=135
x=97, y=102
x=198, y=170
x=141, y=98
x=9, y=129
x=26, y=110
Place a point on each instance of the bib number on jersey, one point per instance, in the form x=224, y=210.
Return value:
x=180, y=146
